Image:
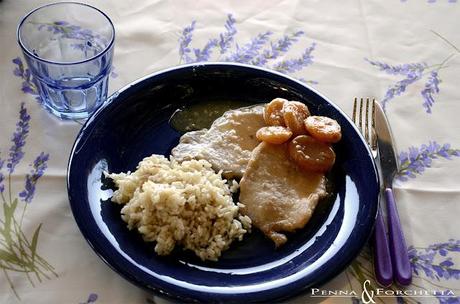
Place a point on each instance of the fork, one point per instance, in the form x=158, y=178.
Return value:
x=363, y=118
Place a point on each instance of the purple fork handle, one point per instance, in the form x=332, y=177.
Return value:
x=398, y=249
x=382, y=258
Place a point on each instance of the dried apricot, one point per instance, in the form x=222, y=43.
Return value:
x=311, y=154
x=273, y=112
x=274, y=134
x=323, y=128
x=294, y=114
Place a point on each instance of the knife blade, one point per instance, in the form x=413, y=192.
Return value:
x=389, y=167
x=388, y=161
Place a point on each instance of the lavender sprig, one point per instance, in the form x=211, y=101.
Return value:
x=184, y=42
x=38, y=168
x=402, y=69
x=2, y=177
x=431, y=88
x=13, y=241
x=412, y=72
x=434, y=262
x=250, y=50
x=400, y=87
x=28, y=84
x=223, y=43
x=206, y=52
x=293, y=65
x=18, y=139
x=227, y=37
x=417, y=159
x=92, y=41
x=444, y=297
x=277, y=49
x=253, y=52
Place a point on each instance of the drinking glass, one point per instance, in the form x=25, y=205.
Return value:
x=68, y=47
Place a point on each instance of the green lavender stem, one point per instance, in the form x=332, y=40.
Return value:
x=446, y=41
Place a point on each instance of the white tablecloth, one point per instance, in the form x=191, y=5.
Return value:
x=405, y=53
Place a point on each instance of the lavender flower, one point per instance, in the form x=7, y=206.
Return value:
x=223, y=43
x=417, y=159
x=38, y=168
x=18, y=139
x=227, y=37
x=253, y=52
x=250, y=50
x=445, y=297
x=61, y=23
x=433, y=260
x=92, y=298
x=2, y=177
x=444, y=248
x=277, y=49
x=184, y=42
x=400, y=87
x=205, y=54
x=293, y=65
x=402, y=69
x=92, y=41
x=411, y=71
x=19, y=70
x=28, y=84
x=431, y=88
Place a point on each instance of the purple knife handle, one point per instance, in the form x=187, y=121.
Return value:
x=382, y=258
x=398, y=249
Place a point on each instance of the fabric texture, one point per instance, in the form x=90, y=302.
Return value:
x=404, y=53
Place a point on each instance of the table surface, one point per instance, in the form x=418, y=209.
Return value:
x=404, y=53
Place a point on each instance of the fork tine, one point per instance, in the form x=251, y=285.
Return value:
x=366, y=122
x=374, y=137
x=355, y=104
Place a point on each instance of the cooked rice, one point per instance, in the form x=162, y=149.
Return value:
x=185, y=204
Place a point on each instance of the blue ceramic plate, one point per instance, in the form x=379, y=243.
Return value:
x=134, y=123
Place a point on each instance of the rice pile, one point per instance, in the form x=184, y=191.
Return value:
x=185, y=204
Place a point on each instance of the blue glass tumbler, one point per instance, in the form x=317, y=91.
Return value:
x=68, y=47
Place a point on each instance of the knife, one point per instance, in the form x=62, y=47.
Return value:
x=389, y=166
